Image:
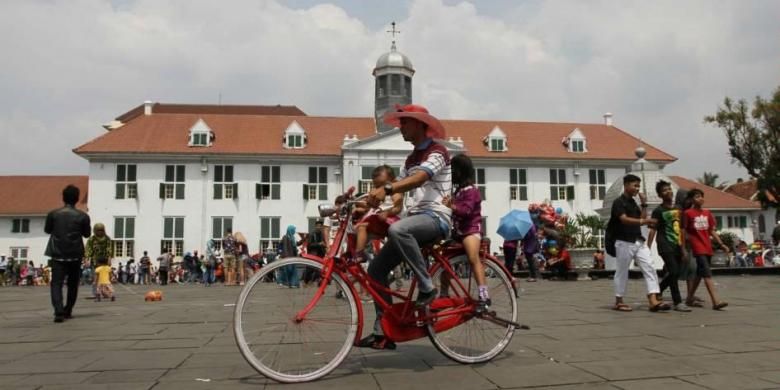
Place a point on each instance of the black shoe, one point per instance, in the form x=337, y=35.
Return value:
x=68, y=316
x=59, y=319
x=482, y=306
x=425, y=299
x=375, y=341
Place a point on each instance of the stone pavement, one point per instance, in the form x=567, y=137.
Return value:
x=576, y=342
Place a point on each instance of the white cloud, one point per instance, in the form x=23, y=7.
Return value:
x=659, y=66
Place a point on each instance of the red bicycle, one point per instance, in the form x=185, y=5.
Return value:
x=302, y=334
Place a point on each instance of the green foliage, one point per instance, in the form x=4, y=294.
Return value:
x=711, y=179
x=754, y=140
x=729, y=239
x=578, y=232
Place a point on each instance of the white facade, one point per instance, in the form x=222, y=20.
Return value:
x=199, y=208
x=29, y=244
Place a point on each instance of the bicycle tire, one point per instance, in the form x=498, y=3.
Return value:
x=268, y=306
x=506, y=303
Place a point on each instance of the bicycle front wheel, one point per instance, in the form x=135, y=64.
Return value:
x=477, y=340
x=282, y=347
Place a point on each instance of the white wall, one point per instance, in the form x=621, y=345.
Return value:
x=35, y=240
x=199, y=207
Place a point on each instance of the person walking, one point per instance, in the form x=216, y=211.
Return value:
x=288, y=275
x=103, y=281
x=209, y=263
x=242, y=257
x=670, y=241
x=67, y=227
x=624, y=227
x=144, y=269
x=229, y=257
x=164, y=262
x=3, y=265
x=699, y=228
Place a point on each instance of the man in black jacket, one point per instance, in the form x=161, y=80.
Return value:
x=67, y=227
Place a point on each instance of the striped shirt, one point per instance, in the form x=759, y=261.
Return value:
x=433, y=159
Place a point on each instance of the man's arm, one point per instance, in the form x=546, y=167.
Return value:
x=49, y=225
x=419, y=178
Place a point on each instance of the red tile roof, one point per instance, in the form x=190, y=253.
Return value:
x=37, y=195
x=745, y=190
x=262, y=134
x=168, y=108
x=716, y=199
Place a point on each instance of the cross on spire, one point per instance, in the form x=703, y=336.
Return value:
x=393, y=31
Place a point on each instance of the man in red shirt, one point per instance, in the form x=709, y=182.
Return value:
x=699, y=227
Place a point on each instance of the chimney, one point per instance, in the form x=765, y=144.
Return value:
x=148, y=107
x=608, y=119
x=349, y=140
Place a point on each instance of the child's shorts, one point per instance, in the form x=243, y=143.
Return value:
x=377, y=227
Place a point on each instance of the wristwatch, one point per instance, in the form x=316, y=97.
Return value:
x=388, y=189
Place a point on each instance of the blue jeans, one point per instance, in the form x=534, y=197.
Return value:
x=404, y=239
x=288, y=276
x=208, y=276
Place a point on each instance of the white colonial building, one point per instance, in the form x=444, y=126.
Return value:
x=174, y=175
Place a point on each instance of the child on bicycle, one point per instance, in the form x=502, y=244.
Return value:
x=466, y=205
x=375, y=223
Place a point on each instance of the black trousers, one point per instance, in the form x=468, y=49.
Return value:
x=672, y=264
x=510, y=255
x=60, y=272
x=163, y=276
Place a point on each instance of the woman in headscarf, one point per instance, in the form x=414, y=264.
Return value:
x=288, y=275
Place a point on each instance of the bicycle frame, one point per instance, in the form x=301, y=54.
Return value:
x=401, y=321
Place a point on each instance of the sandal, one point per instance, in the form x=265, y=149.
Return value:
x=693, y=303
x=660, y=306
x=719, y=305
x=375, y=341
x=622, y=307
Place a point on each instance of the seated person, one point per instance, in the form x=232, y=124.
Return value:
x=375, y=222
x=559, y=261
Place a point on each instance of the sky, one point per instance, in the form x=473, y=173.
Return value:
x=659, y=66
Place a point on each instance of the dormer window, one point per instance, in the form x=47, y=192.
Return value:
x=497, y=145
x=201, y=134
x=294, y=136
x=576, y=142
x=496, y=140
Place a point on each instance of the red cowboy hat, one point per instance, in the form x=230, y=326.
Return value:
x=420, y=113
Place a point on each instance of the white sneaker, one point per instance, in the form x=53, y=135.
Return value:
x=682, y=307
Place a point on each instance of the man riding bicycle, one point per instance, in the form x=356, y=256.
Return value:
x=426, y=175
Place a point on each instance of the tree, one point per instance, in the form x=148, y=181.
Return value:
x=711, y=179
x=753, y=135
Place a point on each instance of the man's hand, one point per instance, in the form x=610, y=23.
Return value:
x=376, y=197
x=642, y=198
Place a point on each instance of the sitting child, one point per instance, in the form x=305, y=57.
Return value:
x=559, y=260
x=375, y=223
x=466, y=206
x=103, y=281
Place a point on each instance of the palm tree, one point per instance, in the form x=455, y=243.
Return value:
x=710, y=179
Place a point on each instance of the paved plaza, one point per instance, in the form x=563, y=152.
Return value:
x=575, y=342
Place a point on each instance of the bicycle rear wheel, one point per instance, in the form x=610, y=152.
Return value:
x=478, y=339
x=278, y=346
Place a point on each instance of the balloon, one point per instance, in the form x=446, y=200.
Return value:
x=553, y=251
x=559, y=210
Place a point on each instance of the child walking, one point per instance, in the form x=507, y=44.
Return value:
x=103, y=286
x=466, y=205
x=699, y=227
